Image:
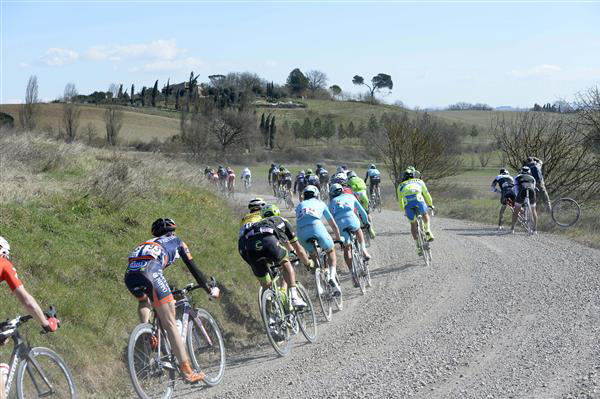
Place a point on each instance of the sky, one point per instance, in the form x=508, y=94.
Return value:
x=440, y=52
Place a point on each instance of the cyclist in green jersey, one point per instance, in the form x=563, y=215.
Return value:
x=413, y=194
x=359, y=189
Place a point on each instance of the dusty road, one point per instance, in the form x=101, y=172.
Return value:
x=493, y=317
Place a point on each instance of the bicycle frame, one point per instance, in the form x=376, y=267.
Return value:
x=189, y=313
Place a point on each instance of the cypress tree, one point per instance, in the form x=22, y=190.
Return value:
x=132, y=93
x=154, y=92
x=143, y=94
x=272, y=132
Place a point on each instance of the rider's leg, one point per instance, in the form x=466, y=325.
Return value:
x=500, y=216
x=289, y=276
x=515, y=216
x=535, y=216
x=427, y=225
x=360, y=238
x=332, y=262
x=144, y=310
x=413, y=231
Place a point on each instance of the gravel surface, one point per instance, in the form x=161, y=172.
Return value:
x=495, y=316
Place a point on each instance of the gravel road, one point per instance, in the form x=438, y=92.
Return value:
x=495, y=316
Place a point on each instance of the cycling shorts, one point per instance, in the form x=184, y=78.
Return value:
x=149, y=282
x=352, y=222
x=508, y=195
x=260, y=251
x=317, y=231
x=409, y=209
x=8, y=273
x=521, y=197
x=363, y=198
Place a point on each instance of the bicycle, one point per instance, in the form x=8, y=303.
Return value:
x=324, y=190
x=375, y=199
x=151, y=362
x=280, y=318
x=247, y=183
x=287, y=197
x=422, y=240
x=565, y=211
x=324, y=289
x=366, y=234
x=361, y=275
x=40, y=372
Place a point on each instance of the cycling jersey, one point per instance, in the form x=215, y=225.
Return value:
x=321, y=171
x=357, y=184
x=8, y=273
x=344, y=209
x=412, y=194
x=525, y=183
x=299, y=183
x=222, y=172
x=374, y=175
x=308, y=221
x=312, y=180
x=506, y=184
x=246, y=173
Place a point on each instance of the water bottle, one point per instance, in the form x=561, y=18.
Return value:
x=4, y=369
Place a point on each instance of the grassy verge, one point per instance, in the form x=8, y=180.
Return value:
x=71, y=237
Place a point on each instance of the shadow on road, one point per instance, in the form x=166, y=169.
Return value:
x=477, y=232
x=393, y=233
x=393, y=268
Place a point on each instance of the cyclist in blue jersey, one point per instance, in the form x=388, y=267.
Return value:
x=373, y=177
x=344, y=208
x=309, y=224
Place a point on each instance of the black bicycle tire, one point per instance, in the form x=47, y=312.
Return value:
x=144, y=328
x=286, y=349
x=304, y=295
x=565, y=200
x=319, y=280
x=339, y=300
x=41, y=351
x=209, y=379
x=357, y=266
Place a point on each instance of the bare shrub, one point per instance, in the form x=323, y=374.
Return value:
x=570, y=164
x=232, y=129
x=193, y=130
x=588, y=106
x=30, y=110
x=91, y=133
x=113, y=120
x=71, y=115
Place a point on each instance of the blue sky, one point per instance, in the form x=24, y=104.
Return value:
x=501, y=53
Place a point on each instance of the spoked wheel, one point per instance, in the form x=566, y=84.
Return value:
x=565, y=212
x=427, y=253
x=206, y=347
x=323, y=293
x=152, y=376
x=423, y=244
x=357, y=265
x=44, y=374
x=339, y=300
x=528, y=215
x=271, y=310
x=307, y=319
x=289, y=201
x=366, y=236
x=367, y=273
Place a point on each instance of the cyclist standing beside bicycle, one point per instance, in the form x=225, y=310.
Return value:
x=535, y=165
x=524, y=186
x=308, y=220
x=373, y=177
x=145, y=280
x=269, y=241
x=507, y=195
x=413, y=194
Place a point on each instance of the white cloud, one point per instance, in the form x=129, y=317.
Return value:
x=538, y=70
x=171, y=65
x=59, y=56
x=156, y=50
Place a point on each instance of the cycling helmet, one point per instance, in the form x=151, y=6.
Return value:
x=525, y=170
x=161, y=226
x=309, y=172
x=372, y=166
x=256, y=204
x=301, y=172
x=310, y=192
x=339, y=178
x=409, y=174
x=270, y=210
x=335, y=190
x=503, y=171
x=4, y=247
x=350, y=174
x=529, y=160
x=272, y=165
x=319, y=166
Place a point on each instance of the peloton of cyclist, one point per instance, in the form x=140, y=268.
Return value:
x=506, y=183
x=269, y=241
x=373, y=176
x=308, y=220
x=299, y=184
x=413, y=194
x=524, y=183
x=145, y=280
x=359, y=189
x=344, y=208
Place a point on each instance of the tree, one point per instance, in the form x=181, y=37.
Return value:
x=113, y=121
x=297, y=130
x=328, y=129
x=29, y=112
x=307, y=129
x=341, y=131
x=71, y=113
x=474, y=132
x=143, y=96
x=351, y=132
x=113, y=89
x=193, y=127
x=230, y=128
x=167, y=92
x=120, y=92
x=297, y=82
x=132, y=94
x=378, y=82
x=192, y=84
x=177, y=95
x=335, y=90
x=372, y=126
x=317, y=80
x=272, y=133
x=317, y=128
x=154, y=93
x=588, y=106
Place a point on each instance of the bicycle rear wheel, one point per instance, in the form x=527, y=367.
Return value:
x=307, y=319
x=339, y=300
x=357, y=265
x=366, y=236
x=565, y=212
x=271, y=310
x=206, y=347
x=43, y=373
x=323, y=292
x=422, y=240
x=528, y=216
x=152, y=376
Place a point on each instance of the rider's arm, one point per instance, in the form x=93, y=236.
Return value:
x=332, y=224
x=31, y=305
x=361, y=211
x=493, y=186
x=426, y=195
x=186, y=256
x=400, y=196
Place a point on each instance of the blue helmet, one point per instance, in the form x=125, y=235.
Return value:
x=310, y=192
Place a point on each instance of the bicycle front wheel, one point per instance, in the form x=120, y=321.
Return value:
x=152, y=376
x=307, y=319
x=43, y=373
x=565, y=212
x=271, y=310
x=206, y=347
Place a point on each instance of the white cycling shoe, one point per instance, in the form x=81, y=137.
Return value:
x=297, y=302
x=335, y=288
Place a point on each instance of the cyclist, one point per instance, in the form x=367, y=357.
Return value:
x=342, y=169
x=312, y=179
x=535, y=165
x=285, y=180
x=323, y=175
x=524, y=183
x=507, y=195
x=8, y=273
x=214, y=178
x=412, y=193
x=299, y=184
x=273, y=172
x=230, y=179
x=255, y=206
x=359, y=189
x=308, y=220
x=222, y=172
x=247, y=176
x=145, y=280
x=373, y=176
x=269, y=241
x=207, y=172
x=344, y=208
x=342, y=179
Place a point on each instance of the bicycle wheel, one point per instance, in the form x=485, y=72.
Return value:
x=339, y=300
x=206, y=347
x=357, y=265
x=366, y=236
x=152, y=376
x=367, y=273
x=43, y=373
x=427, y=253
x=422, y=240
x=323, y=292
x=528, y=216
x=565, y=212
x=271, y=310
x=307, y=319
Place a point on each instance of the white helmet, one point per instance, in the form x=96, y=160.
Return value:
x=4, y=247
